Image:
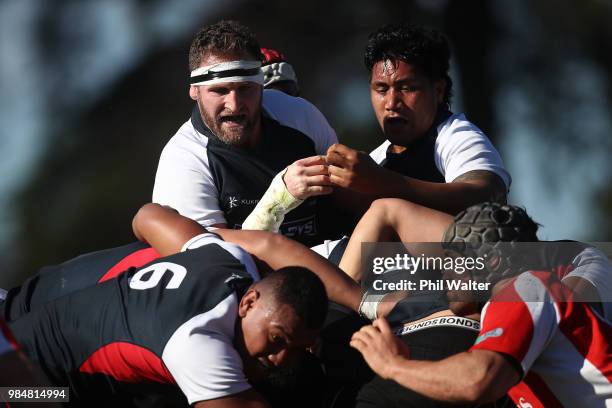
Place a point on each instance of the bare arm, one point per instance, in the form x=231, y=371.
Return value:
x=245, y=399
x=468, y=189
x=167, y=231
x=356, y=171
x=278, y=252
x=479, y=376
x=164, y=229
x=489, y=186
x=474, y=376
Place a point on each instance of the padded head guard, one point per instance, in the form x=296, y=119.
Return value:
x=491, y=230
x=276, y=69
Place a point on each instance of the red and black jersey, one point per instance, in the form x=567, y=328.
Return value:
x=52, y=282
x=170, y=321
x=7, y=341
x=562, y=347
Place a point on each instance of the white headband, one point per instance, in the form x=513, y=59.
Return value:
x=232, y=71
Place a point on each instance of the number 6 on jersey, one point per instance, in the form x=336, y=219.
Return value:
x=149, y=277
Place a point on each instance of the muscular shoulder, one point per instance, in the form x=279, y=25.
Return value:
x=457, y=122
x=457, y=134
x=461, y=147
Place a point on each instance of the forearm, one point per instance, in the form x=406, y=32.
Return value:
x=450, y=198
x=167, y=231
x=278, y=252
x=461, y=378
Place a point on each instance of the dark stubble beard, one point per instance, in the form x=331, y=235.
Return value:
x=237, y=137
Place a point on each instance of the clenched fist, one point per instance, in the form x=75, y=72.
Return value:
x=352, y=169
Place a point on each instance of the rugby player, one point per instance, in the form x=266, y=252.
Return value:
x=123, y=323
x=583, y=268
x=221, y=161
x=200, y=320
x=536, y=342
x=430, y=155
x=194, y=320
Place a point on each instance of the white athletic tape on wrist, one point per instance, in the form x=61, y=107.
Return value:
x=369, y=305
x=270, y=211
x=232, y=71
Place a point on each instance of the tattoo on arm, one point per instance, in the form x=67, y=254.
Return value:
x=495, y=185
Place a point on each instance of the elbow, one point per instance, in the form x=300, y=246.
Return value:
x=142, y=218
x=474, y=392
x=482, y=393
x=482, y=386
x=138, y=220
x=145, y=209
x=495, y=191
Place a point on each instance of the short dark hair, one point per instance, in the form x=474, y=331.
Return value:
x=426, y=48
x=301, y=289
x=224, y=37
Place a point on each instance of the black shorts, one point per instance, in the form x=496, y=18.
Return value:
x=345, y=369
x=434, y=343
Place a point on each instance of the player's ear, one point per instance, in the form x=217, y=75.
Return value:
x=248, y=301
x=194, y=92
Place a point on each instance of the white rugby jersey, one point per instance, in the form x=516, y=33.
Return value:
x=215, y=183
x=563, y=348
x=455, y=146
